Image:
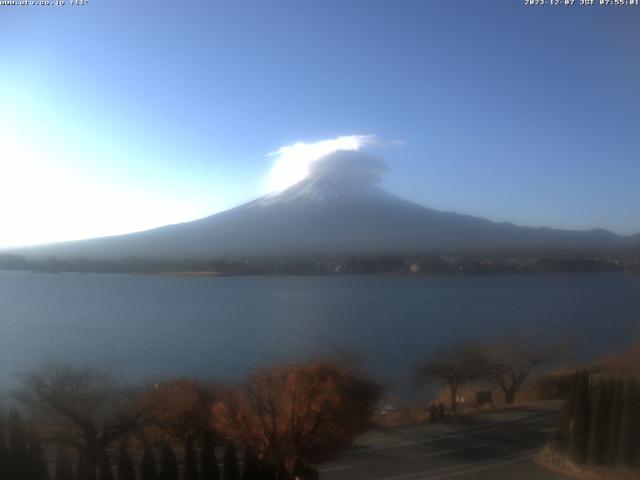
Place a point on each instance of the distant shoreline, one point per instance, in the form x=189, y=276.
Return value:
x=395, y=265
x=182, y=274
x=402, y=274
x=211, y=274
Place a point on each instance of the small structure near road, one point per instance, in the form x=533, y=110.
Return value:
x=484, y=397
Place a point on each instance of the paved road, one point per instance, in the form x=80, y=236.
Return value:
x=487, y=446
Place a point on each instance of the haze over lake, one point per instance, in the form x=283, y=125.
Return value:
x=144, y=327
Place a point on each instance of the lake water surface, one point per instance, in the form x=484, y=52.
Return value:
x=143, y=327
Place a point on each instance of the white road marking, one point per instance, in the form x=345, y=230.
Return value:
x=409, y=443
x=398, y=444
x=434, y=454
x=445, y=472
x=335, y=469
x=457, y=450
x=517, y=459
x=500, y=427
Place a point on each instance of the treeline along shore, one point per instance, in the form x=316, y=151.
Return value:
x=334, y=265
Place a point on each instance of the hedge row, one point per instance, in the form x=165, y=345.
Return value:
x=601, y=420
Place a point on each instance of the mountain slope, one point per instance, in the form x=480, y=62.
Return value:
x=336, y=210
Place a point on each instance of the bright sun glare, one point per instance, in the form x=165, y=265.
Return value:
x=42, y=203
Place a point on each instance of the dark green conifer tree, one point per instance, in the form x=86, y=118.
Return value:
x=104, y=469
x=4, y=452
x=598, y=430
x=579, y=428
x=267, y=471
x=148, y=465
x=63, y=466
x=230, y=463
x=567, y=411
x=190, y=465
x=37, y=461
x=250, y=468
x=83, y=471
x=615, y=417
x=168, y=464
x=208, y=462
x=126, y=470
x=18, y=453
x=629, y=426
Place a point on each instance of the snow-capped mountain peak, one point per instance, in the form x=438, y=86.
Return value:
x=343, y=176
x=327, y=188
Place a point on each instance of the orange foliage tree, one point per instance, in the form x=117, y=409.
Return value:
x=302, y=415
x=180, y=408
x=626, y=362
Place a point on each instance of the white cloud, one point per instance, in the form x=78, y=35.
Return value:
x=293, y=161
x=349, y=164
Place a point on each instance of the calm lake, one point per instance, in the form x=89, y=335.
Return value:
x=144, y=327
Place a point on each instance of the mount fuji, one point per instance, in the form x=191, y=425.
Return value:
x=338, y=209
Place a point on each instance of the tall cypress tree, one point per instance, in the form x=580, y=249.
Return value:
x=83, y=471
x=190, y=465
x=37, y=461
x=208, y=462
x=250, y=468
x=148, y=465
x=267, y=471
x=230, y=463
x=614, y=420
x=579, y=428
x=63, y=466
x=126, y=470
x=628, y=442
x=598, y=429
x=168, y=464
x=4, y=452
x=18, y=453
x=567, y=411
x=104, y=469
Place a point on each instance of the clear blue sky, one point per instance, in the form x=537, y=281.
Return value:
x=122, y=115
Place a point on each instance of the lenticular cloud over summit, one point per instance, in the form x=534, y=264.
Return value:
x=349, y=165
x=293, y=162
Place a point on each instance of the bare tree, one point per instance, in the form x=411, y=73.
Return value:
x=510, y=361
x=297, y=415
x=81, y=408
x=454, y=366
